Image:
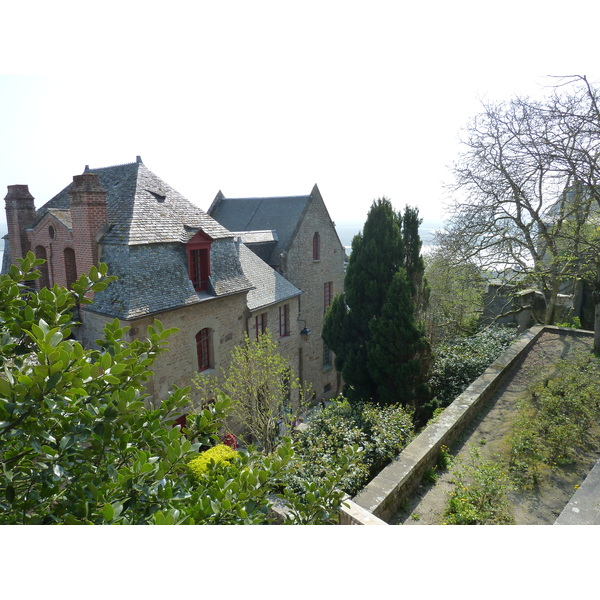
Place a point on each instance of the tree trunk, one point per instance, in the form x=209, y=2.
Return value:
x=551, y=305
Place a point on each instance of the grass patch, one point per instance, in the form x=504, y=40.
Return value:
x=556, y=419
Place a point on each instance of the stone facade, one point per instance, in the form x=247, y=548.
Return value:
x=305, y=249
x=311, y=275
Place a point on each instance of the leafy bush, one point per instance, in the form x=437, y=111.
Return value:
x=480, y=494
x=382, y=432
x=81, y=446
x=457, y=364
x=220, y=455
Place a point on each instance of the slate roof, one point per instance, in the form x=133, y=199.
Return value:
x=282, y=214
x=64, y=216
x=142, y=208
x=149, y=224
x=154, y=277
x=269, y=286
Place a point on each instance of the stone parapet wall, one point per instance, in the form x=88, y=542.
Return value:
x=383, y=496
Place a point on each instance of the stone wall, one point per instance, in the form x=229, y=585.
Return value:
x=226, y=319
x=55, y=238
x=310, y=276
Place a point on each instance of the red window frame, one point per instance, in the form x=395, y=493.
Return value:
x=203, y=349
x=260, y=324
x=327, y=295
x=284, y=318
x=198, y=250
x=316, y=246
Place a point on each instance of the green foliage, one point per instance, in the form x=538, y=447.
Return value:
x=456, y=298
x=457, y=364
x=373, y=328
x=219, y=454
x=242, y=491
x=480, y=494
x=575, y=323
x=81, y=445
x=555, y=421
x=381, y=432
x=260, y=382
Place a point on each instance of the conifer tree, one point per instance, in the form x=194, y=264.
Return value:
x=373, y=328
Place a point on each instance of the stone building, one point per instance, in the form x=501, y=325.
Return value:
x=177, y=264
x=297, y=238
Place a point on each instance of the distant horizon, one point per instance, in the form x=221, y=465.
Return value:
x=346, y=231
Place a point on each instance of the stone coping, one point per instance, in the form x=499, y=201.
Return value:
x=353, y=514
x=382, y=497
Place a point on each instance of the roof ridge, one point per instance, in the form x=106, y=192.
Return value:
x=138, y=161
x=267, y=197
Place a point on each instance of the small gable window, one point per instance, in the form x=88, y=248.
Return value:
x=316, y=246
x=198, y=251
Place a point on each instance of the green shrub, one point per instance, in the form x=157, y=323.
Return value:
x=457, y=364
x=382, y=432
x=219, y=455
x=480, y=493
x=79, y=445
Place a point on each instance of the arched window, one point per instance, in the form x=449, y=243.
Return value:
x=316, y=246
x=44, y=279
x=70, y=266
x=203, y=349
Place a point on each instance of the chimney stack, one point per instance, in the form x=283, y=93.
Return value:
x=20, y=216
x=88, y=215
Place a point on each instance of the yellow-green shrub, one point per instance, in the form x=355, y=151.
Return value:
x=220, y=454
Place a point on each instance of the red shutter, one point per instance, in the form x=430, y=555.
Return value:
x=198, y=249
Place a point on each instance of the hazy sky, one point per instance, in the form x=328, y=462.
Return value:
x=268, y=98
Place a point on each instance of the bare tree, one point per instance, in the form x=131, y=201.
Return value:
x=526, y=185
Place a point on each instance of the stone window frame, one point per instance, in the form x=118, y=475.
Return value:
x=260, y=324
x=203, y=349
x=284, y=320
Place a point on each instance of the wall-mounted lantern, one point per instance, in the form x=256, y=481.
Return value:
x=305, y=331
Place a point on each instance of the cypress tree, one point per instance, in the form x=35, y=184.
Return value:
x=380, y=347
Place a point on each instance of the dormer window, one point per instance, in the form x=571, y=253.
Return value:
x=198, y=250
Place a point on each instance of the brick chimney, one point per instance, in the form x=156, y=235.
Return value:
x=88, y=215
x=20, y=216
